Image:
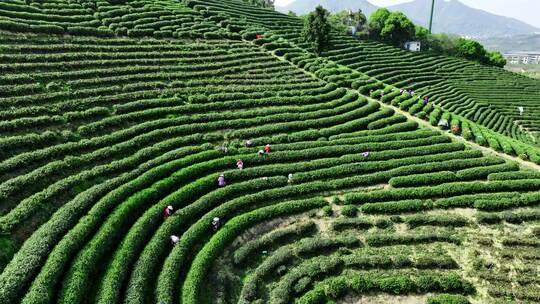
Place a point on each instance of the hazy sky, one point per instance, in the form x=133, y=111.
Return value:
x=524, y=10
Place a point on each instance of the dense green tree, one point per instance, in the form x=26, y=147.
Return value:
x=317, y=29
x=497, y=59
x=377, y=21
x=472, y=50
x=398, y=29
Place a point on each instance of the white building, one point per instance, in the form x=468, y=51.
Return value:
x=413, y=46
x=523, y=57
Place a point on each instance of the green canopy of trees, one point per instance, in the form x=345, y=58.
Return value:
x=470, y=49
x=398, y=29
x=456, y=46
x=393, y=28
x=376, y=22
x=497, y=59
x=473, y=50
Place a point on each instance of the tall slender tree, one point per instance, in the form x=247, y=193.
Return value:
x=317, y=29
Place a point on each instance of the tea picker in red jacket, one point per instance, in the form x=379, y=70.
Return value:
x=167, y=211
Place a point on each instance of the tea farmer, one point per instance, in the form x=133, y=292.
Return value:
x=221, y=180
x=240, y=164
x=215, y=223
x=167, y=211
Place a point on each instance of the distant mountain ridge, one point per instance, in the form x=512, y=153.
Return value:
x=450, y=16
x=457, y=18
x=305, y=6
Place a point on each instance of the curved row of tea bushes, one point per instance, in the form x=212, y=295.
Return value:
x=141, y=18
x=360, y=283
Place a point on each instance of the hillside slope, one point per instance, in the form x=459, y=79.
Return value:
x=100, y=134
x=485, y=95
x=457, y=18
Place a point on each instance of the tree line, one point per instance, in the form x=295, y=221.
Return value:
x=392, y=28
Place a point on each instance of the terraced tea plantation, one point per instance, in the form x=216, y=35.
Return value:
x=128, y=128
x=482, y=94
